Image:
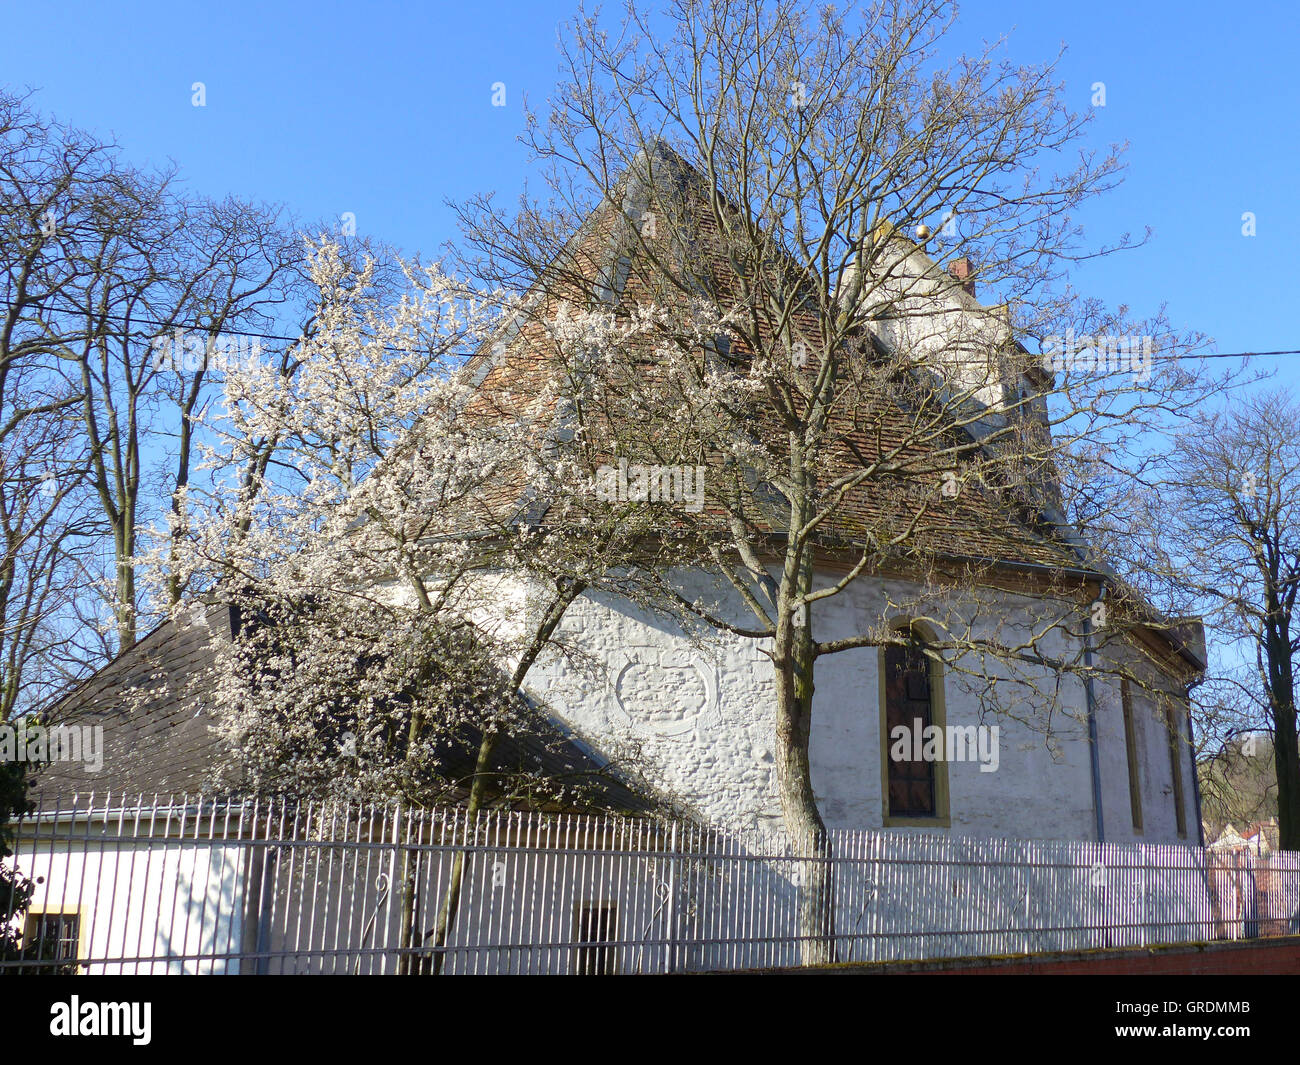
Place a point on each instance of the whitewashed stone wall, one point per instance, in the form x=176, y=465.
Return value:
x=695, y=711
x=699, y=715
x=1155, y=773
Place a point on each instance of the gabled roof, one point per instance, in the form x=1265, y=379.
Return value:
x=983, y=526
x=979, y=524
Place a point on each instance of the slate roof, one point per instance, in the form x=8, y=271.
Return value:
x=164, y=743
x=161, y=744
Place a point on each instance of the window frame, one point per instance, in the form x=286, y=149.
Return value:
x=31, y=934
x=941, y=818
x=1175, y=738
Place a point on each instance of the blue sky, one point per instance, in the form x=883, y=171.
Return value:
x=384, y=110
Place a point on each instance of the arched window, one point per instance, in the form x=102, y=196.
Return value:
x=915, y=786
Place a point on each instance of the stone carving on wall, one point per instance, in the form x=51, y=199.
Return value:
x=665, y=693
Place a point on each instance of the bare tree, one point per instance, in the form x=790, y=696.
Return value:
x=127, y=297
x=1224, y=537
x=1239, y=782
x=723, y=272
x=47, y=524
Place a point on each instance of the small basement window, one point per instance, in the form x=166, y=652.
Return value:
x=52, y=938
x=596, y=923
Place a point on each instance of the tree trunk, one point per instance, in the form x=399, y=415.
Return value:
x=1286, y=756
x=410, y=904
x=431, y=965
x=567, y=592
x=1286, y=750
x=803, y=821
x=125, y=606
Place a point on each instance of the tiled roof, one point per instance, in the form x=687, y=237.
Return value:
x=983, y=523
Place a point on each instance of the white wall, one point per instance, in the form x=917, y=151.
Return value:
x=136, y=901
x=700, y=716
x=1155, y=774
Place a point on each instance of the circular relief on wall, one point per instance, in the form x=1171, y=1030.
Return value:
x=665, y=693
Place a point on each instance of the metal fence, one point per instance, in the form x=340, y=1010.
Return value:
x=196, y=885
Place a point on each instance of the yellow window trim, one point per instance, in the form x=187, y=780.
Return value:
x=938, y=716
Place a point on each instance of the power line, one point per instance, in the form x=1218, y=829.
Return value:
x=172, y=326
x=1237, y=354
x=390, y=347
x=1101, y=356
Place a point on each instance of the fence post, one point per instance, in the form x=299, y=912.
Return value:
x=392, y=890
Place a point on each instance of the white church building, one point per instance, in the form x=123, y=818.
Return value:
x=1108, y=757
x=901, y=741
